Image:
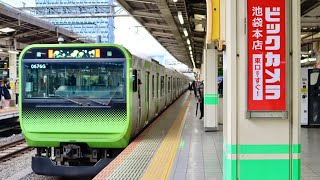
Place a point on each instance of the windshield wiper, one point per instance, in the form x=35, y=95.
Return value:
x=71, y=100
x=112, y=96
x=98, y=102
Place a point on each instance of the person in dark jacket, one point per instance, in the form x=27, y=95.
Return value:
x=194, y=86
x=6, y=94
x=200, y=91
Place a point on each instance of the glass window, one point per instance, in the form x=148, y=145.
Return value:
x=69, y=79
x=162, y=86
x=169, y=85
x=153, y=86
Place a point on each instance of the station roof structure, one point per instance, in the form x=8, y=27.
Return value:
x=177, y=25
x=27, y=29
x=310, y=21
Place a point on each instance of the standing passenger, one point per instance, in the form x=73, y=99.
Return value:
x=201, y=98
x=6, y=94
x=16, y=86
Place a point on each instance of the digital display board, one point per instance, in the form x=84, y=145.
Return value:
x=74, y=53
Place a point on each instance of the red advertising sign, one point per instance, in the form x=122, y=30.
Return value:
x=266, y=55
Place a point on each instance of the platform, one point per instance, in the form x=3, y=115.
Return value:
x=175, y=146
x=9, y=113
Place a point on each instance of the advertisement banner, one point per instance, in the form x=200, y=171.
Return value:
x=266, y=55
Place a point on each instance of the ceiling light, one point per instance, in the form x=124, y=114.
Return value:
x=13, y=52
x=190, y=48
x=180, y=17
x=175, y=1
x=1, y=50
x=188, y=41
x=7, y=30
x=185, y=32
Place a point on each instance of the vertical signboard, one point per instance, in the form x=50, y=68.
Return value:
x=266, y=55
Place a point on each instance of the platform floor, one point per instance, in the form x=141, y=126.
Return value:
x=176, y=147
x=9, y=113
x=310, y=153
x=200, y=153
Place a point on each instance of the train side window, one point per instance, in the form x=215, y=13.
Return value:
x=162, y=86
x=153, y=86
x=135, y=80
x=157, y=89
x=169, y=85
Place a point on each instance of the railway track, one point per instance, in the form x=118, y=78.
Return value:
x=13, y=149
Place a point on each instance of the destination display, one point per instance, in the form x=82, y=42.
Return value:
x=74, y=53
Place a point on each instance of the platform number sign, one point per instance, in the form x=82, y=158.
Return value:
x=266, y=55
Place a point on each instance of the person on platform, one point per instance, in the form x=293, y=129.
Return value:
x=200, y=95
x=6, y=94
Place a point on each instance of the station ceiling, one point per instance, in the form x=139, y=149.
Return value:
x=27, y=29
x=161, y=19
x=310, y=21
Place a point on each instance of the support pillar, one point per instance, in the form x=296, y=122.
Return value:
x=266, y=147
x=13, y=69
x=210, y=88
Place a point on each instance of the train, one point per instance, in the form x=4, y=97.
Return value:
x=82, y=104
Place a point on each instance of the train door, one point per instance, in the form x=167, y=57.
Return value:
x=147, y=97
x=314, y=97
x=139, y=98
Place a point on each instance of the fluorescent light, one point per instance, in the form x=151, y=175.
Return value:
x=7, y=30
x=175, y=1
x=312, y=59
x=180, y=17
x=13, y=52
x=185, y=32
x=190, y=48
x=188, y=41
x=1, y=50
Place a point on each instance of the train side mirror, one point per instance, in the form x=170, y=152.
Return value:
x=135, y=80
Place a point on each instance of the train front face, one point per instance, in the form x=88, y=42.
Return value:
x=74, y=98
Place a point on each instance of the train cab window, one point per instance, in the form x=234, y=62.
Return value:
x=153, y=86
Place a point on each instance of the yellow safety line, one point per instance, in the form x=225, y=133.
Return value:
x=162, y=162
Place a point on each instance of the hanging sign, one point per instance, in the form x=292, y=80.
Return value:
x=266, y=55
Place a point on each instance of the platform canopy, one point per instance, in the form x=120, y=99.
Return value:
x=178, y=25
x=20, y=28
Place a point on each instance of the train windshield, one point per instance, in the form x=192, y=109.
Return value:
x=97, y=80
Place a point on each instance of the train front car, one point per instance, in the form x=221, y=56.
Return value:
x=74, y=106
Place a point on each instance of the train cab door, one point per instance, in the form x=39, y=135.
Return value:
x=314, y=97
x=147, y=94
x=139, y=98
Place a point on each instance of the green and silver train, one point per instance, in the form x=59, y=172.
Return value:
x=81, y=104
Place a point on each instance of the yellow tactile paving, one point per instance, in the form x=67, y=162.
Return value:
x=161, y=164
x=121, y=157
x=11, y=109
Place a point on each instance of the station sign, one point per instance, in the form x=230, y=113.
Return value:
x=266, y=27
